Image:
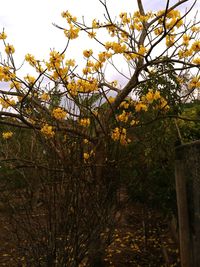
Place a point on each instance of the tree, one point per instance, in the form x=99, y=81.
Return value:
x=80, y=119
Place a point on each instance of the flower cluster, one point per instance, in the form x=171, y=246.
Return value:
x=6, y=74
x=59, y=113
x=152, y=97
x=83, y=86
x=72, y=33
x=194, y=83
x=118, y=48
x=55, y=60
x=30, y=79
x=6, y=103
x=3, y=36
x=9, y=49
x=45, y=97
x=120, y=134
x=7, y=135
x=85, y=122
x=87, y=53
x=47, y=131
x=124, y=116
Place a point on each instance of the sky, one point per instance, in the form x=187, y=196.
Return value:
x=28, y=24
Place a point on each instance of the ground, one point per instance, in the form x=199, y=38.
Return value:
x=142, y=238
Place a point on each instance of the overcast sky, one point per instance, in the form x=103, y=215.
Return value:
x=28, y=24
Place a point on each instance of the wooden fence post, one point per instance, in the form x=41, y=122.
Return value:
x=183, y=219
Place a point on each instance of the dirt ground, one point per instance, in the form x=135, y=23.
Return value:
x=142, y=238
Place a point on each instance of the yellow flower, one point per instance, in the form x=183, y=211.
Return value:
x=116, y=47
x=150, y=96
x=9, y=49
x=87, y=53
x=124, y=105
x=68, y=16
x=6, y=103
x=194, y=83
x=163, y=104
x=124, y=18
x=103, y=56
x=95, y=24
x=85, y=122
x=92, y=34
x=195, y=29
x=70, y=63
x=6, y=74
x=111, y=99
x=16, y=85
x=86, y=156
x=170, y=39
x=47, y=130
x=30, y=79
x=72, y=33
x=140, y=106
x=142, y=50
x=134, y=122
x=7, y=135
x=85, y=141
x=30, y=59
x=186, y=40
x=3, y=36
x=123, y=117
x=119, y=134
x=158, y=31
x=196, y=60
x=59, y=113
x=196, y=46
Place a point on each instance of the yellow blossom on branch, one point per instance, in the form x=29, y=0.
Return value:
x=86, y=156
x=123, y=117
x=134, y=122
x=119, y=134
x=7, y=135
x=6, y=74
x=141, y=106
x=70, y=63
x=194, y=83
x=3, y=36
x=158, y=31
x=9, y=49
x=85, y=122
x=196, y=60
x=68, y=16
x=16, y=85
x=6, y=103
x=59, y=113
x=142, y=50
x=45, y=97
x=30, y=59
x=95, y=24
x=186, y=40
x=30, y=79
x=72, y=33
x=87, y=53
x=47, y=131
x=170, y=39
x=92, y=34
x=196, y=46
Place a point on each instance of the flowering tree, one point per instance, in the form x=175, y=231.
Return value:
x=81, y=118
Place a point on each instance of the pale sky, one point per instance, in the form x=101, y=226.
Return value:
x=28, y=24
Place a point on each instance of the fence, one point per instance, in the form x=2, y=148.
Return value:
x=188, y=201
